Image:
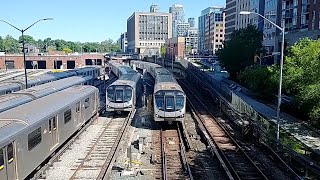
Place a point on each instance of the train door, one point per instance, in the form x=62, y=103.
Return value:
x=169, y=104
x=53, y=131
x=95, y=99
x=77, y=117
x=7, y=162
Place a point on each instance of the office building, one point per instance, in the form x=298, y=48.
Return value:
x=177, y=12
x=148, y=31
x=182, y=29
x=154, y=8
x=192, y=22
x=191, y=40
x=211, y=30
x=175, y=48
x=123, y=42
x=234, y=20
x=301, y=18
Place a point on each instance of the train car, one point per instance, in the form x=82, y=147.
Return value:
x=122, y=94
x=169, y=100
x=32, y=132
x=18, y=84
x=18, y=98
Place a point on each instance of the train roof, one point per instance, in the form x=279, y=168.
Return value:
x=27, y=115
x=9, y=101
x=126, y=70
x=165, y=78
x=48, y=88
x=162, y=71
x=5, y=86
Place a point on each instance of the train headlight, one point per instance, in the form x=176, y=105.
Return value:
x=157, y=115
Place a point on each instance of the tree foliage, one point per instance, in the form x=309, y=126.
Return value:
x=163, y=51
x=238, y=52
x=11, y=45
x=261, y=79
x=301, y=79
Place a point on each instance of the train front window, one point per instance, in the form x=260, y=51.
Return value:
x=170, y=104
x=119, y=95
x=127, y=94
x=179, y=102
x=159, y=102
x=110, y=92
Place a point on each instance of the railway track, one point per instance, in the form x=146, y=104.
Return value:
x=95, y=158
x=170, y=147
x=234, y=160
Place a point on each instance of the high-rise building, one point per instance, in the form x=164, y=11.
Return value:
x=147, y=32
x=182, y=29
x=211, y=29
x=234, y=20
x=301, y=18
x=177, y=12
x=154, y=8
x=192, y=39
x=192, y=22
x=123, y=42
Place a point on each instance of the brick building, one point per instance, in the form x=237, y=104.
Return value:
x=175, y=48
x=15, y=61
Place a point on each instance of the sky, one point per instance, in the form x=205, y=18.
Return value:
x=84, y=20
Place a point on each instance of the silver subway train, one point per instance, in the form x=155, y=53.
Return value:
x=30, y=133
x=169, y=99
x=122, y=94
x=9, y=86
x=18, y=98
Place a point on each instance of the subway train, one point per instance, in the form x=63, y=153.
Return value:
x=122, y=94
x=169, y=100
x=9, y=86
x=18, y=98
x=30, y=133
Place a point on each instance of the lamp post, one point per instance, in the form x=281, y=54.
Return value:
x=281, y=66
x=23, y=43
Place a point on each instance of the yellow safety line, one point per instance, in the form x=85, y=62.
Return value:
x=1, y=167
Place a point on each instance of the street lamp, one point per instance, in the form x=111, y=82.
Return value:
x=23, y=49
x=281, y=65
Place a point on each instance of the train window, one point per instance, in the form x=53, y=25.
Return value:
x=119, y=95
x=159, y=102
x=34, y=139
x=54, y=123
x=86, y=103
x=127, y=94
x=67, y=116
x=10, y=152
x=49, y=125
x=110, y=94
x=1, y=159
x=179, y=102
x=78, y=107
x=169, y=103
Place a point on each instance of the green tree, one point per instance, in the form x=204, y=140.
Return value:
x=11, y=45
x=67, y=50
x=163, y=51
x=239, y=51
x=2, y=49
x=27, y=39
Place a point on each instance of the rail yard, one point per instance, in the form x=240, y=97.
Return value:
x=143, y=122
